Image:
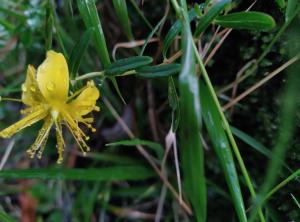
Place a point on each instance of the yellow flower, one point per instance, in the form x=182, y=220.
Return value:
x=45, y=93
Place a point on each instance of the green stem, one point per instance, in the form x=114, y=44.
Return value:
x=281, y=184
x=228, y=131
x=89, y=75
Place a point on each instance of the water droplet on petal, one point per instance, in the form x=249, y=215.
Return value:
x=50, y=86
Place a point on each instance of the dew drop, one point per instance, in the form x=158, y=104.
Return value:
x=50, y=86
x=24, y=88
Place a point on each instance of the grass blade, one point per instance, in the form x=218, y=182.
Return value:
x=122, y=14
x=88, y=11
x=101, y=174
x=190, y=124
x=222, y=148
x=78, y=52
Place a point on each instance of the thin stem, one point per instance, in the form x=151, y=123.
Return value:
x=89, y=75
x=147, y=156
x=10, y=99
x=227, y=129
x=260, y=83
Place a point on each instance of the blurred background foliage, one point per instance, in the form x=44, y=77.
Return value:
x=24, y=38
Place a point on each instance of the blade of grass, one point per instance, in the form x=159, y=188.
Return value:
x=88, y=11
x=227, y=128
x=101, y=174
x=222, y=148
x=190, y=142
x=78, y=52
x=122, y=14
x=296, y=201
x=154, y=30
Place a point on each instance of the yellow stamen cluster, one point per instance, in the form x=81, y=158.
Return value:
x=45, y=93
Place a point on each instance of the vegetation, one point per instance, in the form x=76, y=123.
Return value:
x=198, y=110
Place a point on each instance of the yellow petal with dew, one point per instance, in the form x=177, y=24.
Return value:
x=53, y=78
x=31, y=94
x=39, y=113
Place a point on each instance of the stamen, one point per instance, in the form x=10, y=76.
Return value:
x=41, y=139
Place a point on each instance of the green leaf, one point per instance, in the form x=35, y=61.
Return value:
x=208, y=17
x=78, y=52
x=101, y=174
x=159, y=70
x=174, y=31
x=124, y=65
x=217, y=134
x=4, y=217
x=134, y=142
x=291, y=8
x=122, y=14
x=257, y=21
x=189, y=130
x=88, y=11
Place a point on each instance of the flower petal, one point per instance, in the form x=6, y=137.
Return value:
x=32, y=118
x=85, y=102
x=53, y=78
x=31, y=94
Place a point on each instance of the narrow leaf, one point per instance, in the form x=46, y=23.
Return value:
x=131, y=63
x=101, y=174
x=257, y=21
x=222, y=148
x=159, y=70
x=190, y=141
x=78, y=52
x=122, y=14
x=88, y=11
